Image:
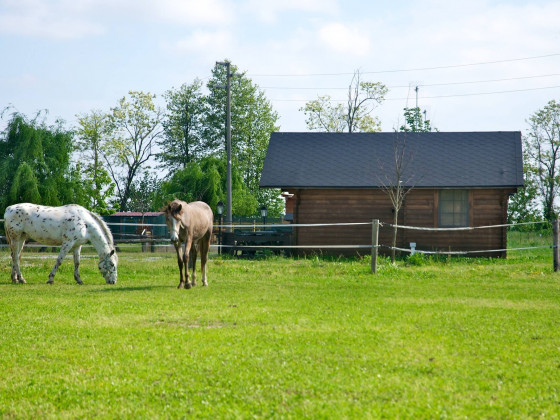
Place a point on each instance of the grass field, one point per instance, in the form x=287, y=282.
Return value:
x=283, y=338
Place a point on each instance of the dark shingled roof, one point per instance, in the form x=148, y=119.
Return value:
x=366, y=160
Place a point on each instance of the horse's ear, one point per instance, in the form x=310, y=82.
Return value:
x=112, y=253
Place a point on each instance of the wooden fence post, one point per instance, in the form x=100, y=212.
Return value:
x=374, y=244
x=555, y=249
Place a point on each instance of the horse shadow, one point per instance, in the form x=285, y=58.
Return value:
x=129, y=289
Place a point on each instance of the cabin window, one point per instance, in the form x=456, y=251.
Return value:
x=453, y=208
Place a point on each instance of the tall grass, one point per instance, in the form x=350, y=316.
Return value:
x=283, y=338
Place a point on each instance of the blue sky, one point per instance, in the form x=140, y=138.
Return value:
x=73, y=56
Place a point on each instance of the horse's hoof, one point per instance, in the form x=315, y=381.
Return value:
x=22, y=281
x=188, y=285
x=50, y=282
x=181, y=286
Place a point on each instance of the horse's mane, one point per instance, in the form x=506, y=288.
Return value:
x=171, y=207
x=103, y=226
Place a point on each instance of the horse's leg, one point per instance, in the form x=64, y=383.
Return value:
x=16, y=249
x=180, y=264
x=204, y=248
x=187, y=251
x=193, y=259
x=77, y=251
x=67, y=246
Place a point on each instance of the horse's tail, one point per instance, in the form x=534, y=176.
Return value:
x=103, y=226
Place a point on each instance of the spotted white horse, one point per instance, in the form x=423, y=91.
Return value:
x=69, y=226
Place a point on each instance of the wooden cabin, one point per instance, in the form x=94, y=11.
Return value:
x=453, y=179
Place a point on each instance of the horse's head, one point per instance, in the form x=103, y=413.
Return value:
x=108, y=267
x=173, y=215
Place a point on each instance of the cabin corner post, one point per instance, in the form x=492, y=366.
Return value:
x=374, y=244
x=555, y=249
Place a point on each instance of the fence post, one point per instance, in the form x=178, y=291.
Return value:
x=374, y=244
x=555, y=249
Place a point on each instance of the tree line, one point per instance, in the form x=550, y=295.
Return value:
x=138, y=156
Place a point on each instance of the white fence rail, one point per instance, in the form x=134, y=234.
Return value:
x=137, y=238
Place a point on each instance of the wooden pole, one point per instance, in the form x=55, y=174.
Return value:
x=374, y=244
x=555, y=249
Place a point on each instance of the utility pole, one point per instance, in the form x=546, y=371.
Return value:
x=416, y=90
x=186, y=131
x=229, y=74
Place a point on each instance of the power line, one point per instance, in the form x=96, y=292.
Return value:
x=483, y=63
x=433, y=97
x=508, y=79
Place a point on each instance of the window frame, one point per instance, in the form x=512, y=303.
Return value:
x=463, y=202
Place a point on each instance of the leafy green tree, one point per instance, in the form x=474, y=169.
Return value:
x=91, y=135
x=35, y=164
x=414, y=121
x=25, y=186
x=253, y=120
x=143, y=193
x=184, y=126
x=205, y=180
x=355, y=116
x=135, y=126
x=542, y=147
x=523, y=205
x=76, y=187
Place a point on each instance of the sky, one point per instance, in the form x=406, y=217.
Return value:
x=479, y=65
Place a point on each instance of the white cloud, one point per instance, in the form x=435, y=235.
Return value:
x=56, y=19
x=211, y=42
x=270, y=10
x=195, y=12
x=69, y=19
x=343, y=39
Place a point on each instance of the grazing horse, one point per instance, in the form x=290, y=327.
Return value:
x=191, y=225
x=70, y=226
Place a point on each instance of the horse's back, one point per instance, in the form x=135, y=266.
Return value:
x=42, y=223
x=201, y=215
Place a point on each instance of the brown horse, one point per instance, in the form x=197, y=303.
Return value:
x=190, y=224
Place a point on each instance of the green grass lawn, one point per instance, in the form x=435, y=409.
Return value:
x=283, y=338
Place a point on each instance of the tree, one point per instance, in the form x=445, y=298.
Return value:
x=397, y=181
x=184, y=126
x=205, y=180
x=542, y=146
x=143, y=193
x=135, y=126
x=414, y=121
x=35, y=164
x=355, y=116
x=522, y=206
x=253, y=120
x=25, y=186
x=91, y=135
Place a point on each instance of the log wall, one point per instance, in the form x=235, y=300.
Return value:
x=486, y=207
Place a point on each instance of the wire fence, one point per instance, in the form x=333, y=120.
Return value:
x=150, y=242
